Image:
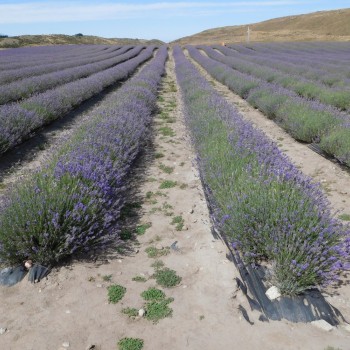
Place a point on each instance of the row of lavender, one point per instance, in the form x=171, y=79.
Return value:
x=73, y=202
x=27, y=56
x=337, y=97
x=318, y=52
x=11, y=75
x=20, y=119
x=304, y=119
x=329, y=74
x=25, y=88
x=267, y=208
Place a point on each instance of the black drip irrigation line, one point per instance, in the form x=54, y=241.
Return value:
x=306, y=307
x=316, y=148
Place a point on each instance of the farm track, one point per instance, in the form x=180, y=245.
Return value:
x=334, y=178
x=71, y=304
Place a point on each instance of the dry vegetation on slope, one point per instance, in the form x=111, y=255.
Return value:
x=317, y=26
x=60, y=39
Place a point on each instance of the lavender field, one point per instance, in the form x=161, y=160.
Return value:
x=303, y=87
x=267, y=208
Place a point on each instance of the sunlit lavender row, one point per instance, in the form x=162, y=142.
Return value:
x=334, y=96
x=72, y=204
x=267, y=208
x=331, y=75
x=306, y=120
x=18, y=120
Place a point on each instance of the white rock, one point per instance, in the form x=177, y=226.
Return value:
x=66, y=344
x=159, y=246
x=273, y=293
x=99, y=285
x=322, y=324
x=67, y=311
x=142, y=312
x=3, y=330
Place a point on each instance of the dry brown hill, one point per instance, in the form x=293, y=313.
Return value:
x=60, y=39
x=316, y=26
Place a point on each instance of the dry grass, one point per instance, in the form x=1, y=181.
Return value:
x=316, y=26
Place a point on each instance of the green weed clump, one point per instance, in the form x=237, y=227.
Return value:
x=167, y=184
x=130, y=344
x=157, y=304
x=116, y=293
x=167, y=278
x=179, y=222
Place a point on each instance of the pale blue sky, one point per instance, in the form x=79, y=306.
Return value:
x=166, y=20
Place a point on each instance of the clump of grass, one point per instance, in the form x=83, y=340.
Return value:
x=166, y=131
x=201, y=317
x=345, y=217
x=116, y=292
x=149, y=195
x=159, y=155
x=141, y=229
x=182, y=164
x=153, y=252
x=166, y=169
x=153, y=294
x=183, y=186
x=139, y=279
x=157, y=238
x=167, y=278
x=130, y=311
x=107, y=278
x=158, y=264
x=130, y=344
x=179, y=222
x=157, y=305
x=156, y=310
x=167, y=184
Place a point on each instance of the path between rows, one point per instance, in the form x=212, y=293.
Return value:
x=71, y=305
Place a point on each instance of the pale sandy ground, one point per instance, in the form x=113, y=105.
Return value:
x=71, y=304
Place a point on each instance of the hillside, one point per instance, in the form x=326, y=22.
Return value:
x=316, y=26
x=60, y=39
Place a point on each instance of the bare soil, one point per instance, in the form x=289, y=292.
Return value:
x=71, y=304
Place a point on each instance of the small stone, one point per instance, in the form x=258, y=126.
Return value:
x=191, y=211
x=195, y=220
x=273, y=293
x=137, y=251
x=66, y=344
x=322, y=324
x=99, y=285
x=142, y=312
x=3, y=330
x=159, y=247
x=184, y=286
x=67, y=311
x=119, y=273
x=120, y=261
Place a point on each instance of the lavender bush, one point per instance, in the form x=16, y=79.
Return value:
x=69, y=206
x=267, y=208
x=18, y=120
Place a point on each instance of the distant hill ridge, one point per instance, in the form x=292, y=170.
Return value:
x=61, y=39
x=317, y=26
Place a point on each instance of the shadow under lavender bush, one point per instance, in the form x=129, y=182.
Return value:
x=70, y=205
x=267, y=208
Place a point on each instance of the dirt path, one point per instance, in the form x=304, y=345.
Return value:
x=71, y=305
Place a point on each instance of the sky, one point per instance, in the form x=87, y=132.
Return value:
x=166, y=20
